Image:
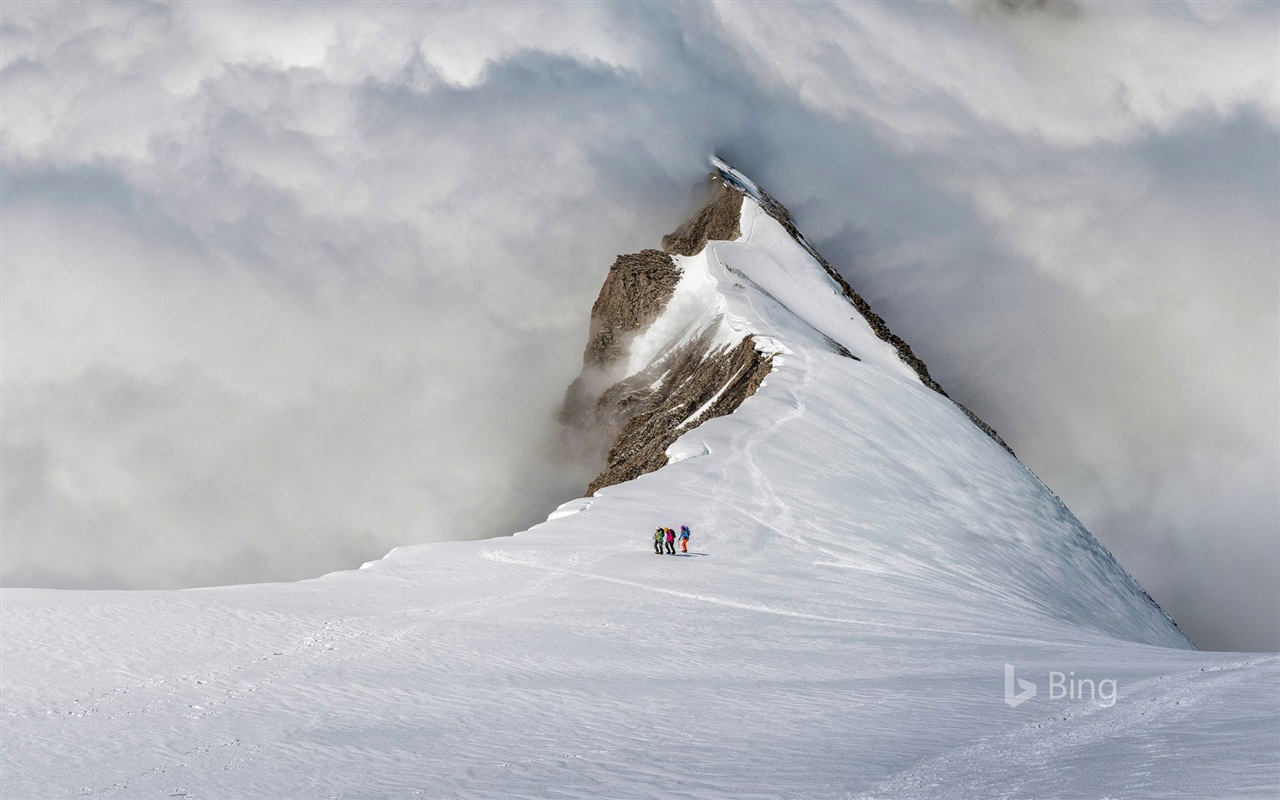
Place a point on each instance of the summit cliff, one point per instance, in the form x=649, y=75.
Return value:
x=635, y=405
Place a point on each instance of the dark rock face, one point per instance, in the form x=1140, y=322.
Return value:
x=634, y=294
x=718, y=219
x=697, y=383
x=636, y=418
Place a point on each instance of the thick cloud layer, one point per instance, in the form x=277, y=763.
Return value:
x=287, y=285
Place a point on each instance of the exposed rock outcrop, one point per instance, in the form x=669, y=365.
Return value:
x=634, y=294
x=637, y=417
x=693, y=384
x=634, y=418
x=599, y=402
x=719, y=218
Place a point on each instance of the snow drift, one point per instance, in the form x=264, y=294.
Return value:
x=869, y=563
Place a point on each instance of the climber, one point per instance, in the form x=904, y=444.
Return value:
x=684, y=538
x=671, y=542
x=658, y=536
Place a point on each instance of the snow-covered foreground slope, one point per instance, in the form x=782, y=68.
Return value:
x=865, y=564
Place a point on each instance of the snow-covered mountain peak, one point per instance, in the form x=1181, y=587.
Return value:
x=738, y=300
x=685, y=334
x=870, y=575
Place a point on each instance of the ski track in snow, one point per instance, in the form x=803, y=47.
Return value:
x=864, y=564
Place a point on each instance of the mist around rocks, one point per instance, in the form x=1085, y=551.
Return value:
x=287, y=286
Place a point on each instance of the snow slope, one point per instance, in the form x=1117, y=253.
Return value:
x=865, y=563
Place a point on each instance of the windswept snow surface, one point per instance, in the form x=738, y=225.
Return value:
x=864, y=565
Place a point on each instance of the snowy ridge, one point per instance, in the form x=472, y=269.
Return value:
x=767, y=284
x=865, y=563
x=802, y=299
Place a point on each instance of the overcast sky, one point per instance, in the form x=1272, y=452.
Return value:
x=285, y=286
